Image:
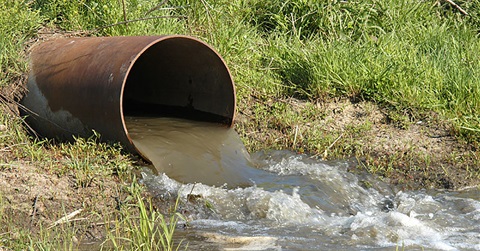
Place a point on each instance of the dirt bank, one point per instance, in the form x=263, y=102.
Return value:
x=419, y=153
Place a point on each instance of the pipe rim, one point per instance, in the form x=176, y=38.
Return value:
x=140, y=53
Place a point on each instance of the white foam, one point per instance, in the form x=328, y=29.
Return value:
x=246, y=243
x=419, y=219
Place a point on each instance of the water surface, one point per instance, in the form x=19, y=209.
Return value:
x=278, y=200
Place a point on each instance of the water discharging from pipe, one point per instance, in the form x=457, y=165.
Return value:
x=295, y=202
x=190, y=151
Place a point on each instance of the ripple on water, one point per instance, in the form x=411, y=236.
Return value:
x=293, y=202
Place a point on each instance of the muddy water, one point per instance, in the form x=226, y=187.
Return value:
x=193, y=152
x=297, y=203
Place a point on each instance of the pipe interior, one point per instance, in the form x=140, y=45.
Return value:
x=180, y=77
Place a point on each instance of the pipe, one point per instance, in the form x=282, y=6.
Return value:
x=77, y=85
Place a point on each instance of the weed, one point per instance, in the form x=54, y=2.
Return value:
x=88, y=159
x=149, y=231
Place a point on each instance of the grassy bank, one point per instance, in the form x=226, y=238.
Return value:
x=410, y=57
x=335, y=79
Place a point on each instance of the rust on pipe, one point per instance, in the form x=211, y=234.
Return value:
x=77, y=85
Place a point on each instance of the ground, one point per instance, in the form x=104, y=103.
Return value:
x=423, y=153
x=37, y=197
x=34, y=198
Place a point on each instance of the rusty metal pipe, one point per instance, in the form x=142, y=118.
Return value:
x=77, y=85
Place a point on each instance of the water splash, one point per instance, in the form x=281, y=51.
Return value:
x=298, y=203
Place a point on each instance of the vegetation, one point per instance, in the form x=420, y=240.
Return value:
x=415, y=61
x=153, y=231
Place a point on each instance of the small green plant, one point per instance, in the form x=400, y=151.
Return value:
x=149, y=230
x=88, y=159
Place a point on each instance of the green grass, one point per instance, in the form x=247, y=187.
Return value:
x=87, y=159
x=414, y=56
x=416, y=62
x=17, y=24
x=146, y=230
x=410, y=56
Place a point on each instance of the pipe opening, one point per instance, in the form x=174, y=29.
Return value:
x=180, y=77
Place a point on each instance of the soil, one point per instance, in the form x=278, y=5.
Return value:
x=417, y=154
x=408, y=147
x=34, y=198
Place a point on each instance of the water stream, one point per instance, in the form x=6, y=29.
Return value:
x=278, y=200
